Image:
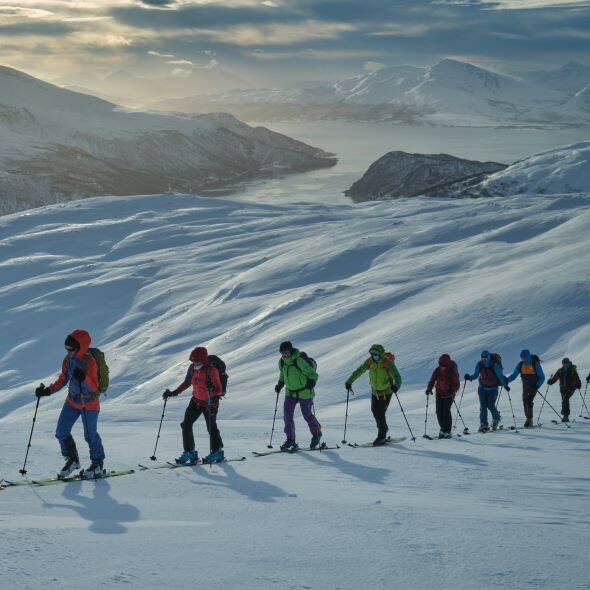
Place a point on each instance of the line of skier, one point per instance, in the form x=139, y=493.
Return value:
x=85, y=371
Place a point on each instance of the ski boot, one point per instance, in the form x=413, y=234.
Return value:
x=188, y=458
x=315, y=441
x=289, y=445
x=528, y=423
x=495, y=424
x=565, y=419
x=483, y=428
x=214, y=457
x=72, y=464
x=380, y=441
x=441, y=434
x=447, y=435
x=95, y=471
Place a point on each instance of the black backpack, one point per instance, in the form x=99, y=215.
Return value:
x=496, y=359
x=215, y=361
x=311, y=362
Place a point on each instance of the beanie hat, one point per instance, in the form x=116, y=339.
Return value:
x=286, y=346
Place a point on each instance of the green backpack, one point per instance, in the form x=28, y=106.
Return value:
x=103, y=371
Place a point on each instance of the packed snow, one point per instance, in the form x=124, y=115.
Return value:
x=151, y=277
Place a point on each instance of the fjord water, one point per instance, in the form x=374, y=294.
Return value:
x=358, y=145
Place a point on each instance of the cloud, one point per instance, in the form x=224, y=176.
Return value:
x=23, y=12
x=181, y=73
x=181, y=62
x=117, y=41
x=517, y=4
x=162, y=55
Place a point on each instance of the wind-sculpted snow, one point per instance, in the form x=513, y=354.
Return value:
x=151, y=277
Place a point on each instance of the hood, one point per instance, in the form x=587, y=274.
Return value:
x=525, y=355
x=377, y=349
x=82, y=337
x=199, y=355
x=445, y=360
x=488, y=360
x=566, y=363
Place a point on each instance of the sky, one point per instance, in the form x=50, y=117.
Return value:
x=286, y=42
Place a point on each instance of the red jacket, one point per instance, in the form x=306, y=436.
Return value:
x=445, y=377
x=79, y=392
x=203, y=387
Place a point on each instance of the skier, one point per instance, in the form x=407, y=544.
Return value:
x=489, y=371
x=207, y=391
x=385, y=381
x=299, y=378
x=80, y=371
x=531, y=373
x=446, y=379
x=569, y=381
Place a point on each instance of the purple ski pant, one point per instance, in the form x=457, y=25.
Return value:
x=307, y=411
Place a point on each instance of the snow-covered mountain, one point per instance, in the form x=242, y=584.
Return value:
x=569, y=78
x=151, y=277
x=449, y=92
x=400, y=174
x=57, y=144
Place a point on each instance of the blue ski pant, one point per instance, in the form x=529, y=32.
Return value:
x=487, y=401
x=63, y=432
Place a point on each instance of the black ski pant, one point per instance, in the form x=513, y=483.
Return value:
x=565, y=401
x=443, y=413
x=529, y=390
x=379, y=407
x=193, y=411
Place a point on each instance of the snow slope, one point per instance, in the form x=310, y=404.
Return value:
x=563, y=170
x=57, y=145
x=150, y=277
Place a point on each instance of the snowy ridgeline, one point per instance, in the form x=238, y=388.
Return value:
x=562, y=170
x=450, y=92
x=58, y=145
x=150, y=277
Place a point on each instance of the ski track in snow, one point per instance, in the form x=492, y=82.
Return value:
x=151, y=277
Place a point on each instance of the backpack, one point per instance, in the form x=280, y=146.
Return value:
x=311, y=362
x=215, y=361
x=495, y=359
x=388, y=355
x=103, y=370
x=535, y=358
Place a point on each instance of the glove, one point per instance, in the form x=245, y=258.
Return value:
x=310, y=384
x=507, y=387
x=429, y=392
x=348, y=386
x=42, y=391
x=79, y=374
x=394, y=388
x=169, y=393
x=279, y=386
x=588, y=378
x=467, y=377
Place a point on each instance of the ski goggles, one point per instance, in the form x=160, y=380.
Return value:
x=285, y=353
x=375, y=357
x=70, y=348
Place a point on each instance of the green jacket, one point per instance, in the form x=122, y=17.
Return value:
x=294, y=373
x=382, y=373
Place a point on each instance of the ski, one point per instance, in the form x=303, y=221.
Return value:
x=322, y=447
x=199, y=463
x=54, y=480
x=388, y=441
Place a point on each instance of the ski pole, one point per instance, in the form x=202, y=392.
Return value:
x=512, y=410
x=23, y=471
x=539, y=416
x=584, y=402
x=460, y=402
x=153, y=457
x=556, y=413
x=269, y=445
x=426, y=419
x=402, y=409
x=465, y=429
x=346, y=414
